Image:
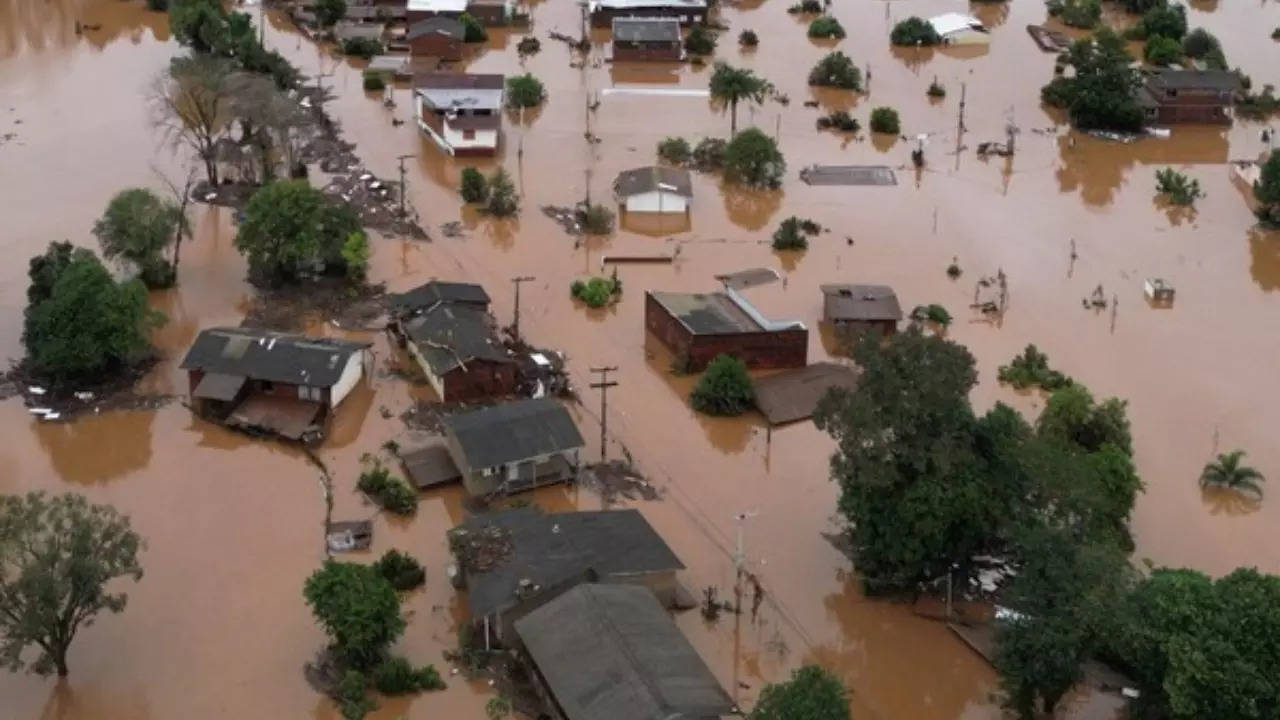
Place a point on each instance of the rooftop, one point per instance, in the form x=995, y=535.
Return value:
x=648, y=179
x=271, y=356
x=843, y=301
x=449, y=336
x=454, y=6
x=351, y=30
x=438, y=24
x=948, y=23
x=550, y=549
x=429, y=294
x=793, y=395
x=631, y=4
x=611, y=651
x=1221, y=80
x=512, y=432
x=646, y=30
x=707, y=313
x=460, y=90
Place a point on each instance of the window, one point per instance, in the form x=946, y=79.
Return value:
x=468, y=134
x=268, y=386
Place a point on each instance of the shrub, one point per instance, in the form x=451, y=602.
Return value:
x=1181, y=189
x=472, y=30
x=936, y=90
x=953, y=270
x=473, y=188
x=525, y=91
x=748, y=38
x=390, y=492
x=914, y=31
x=597, y=292
x=1031, y=368
x=329, y=12
x=931, y=313
x=1076, y=13
x=885, y=120
x=374, y=81
x=709, y=153
x=725, y=388
x=395, y=676
x=1168, y=21
x=793, y=234
x=503, y=201
x=596, y=219
x=401, y=570
x=1267, y=191
x=701, y=41
x=528, y=45
x=361, y=47
x=1200, y=42
x=836, y=70
x=825, y=28
x=355, y=256
x=752, y=158
x=1161, y=50
x=674, y=150
x=1275, y=34
x=839, y=120
x=351, y=696
x=807, y=7
x=158, y=5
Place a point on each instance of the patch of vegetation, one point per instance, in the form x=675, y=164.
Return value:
x=1275, y=34
x=885, y=120
x=806, y=7
x=752, y=158
x=1182, y=190
x=1031, y=369
x=291, y=229
x=826, y=28
x=596, y=219
x=359, y=611
x=598, y=291
x=836, y=70
x=933, y=313
x=1165, y=20
x=329, y=12
x=1076, y=13
x=401, y=570
x=793, y=233
x=1267, y=191
x=355, y=256
x=503, y=201
x=936, y=90
x=396, y=676
x=674, y=150
x=914, y=31
x=730, y=85
x=528, y=45
x=211, y=32
x=700, y=41
x=748, y=38
x=136, y=230
x=709, y=154
x=472, y=30
x=391, y=493
x=372, y=81
x=839, y=120
x=362, y=47
x=473, y=187
x=525, y=91
x=812, y=693
x=351, y=697
x=1100, y=95
x=1256, y=106
x=1161, y=50
x=1202, y=45
x=725, y=388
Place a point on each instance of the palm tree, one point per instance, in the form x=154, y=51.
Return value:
x=1228, y=472
x=730, y=84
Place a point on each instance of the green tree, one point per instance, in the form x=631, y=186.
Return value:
x=84, y=326
x=1161, y=50
x=885, y=120
x=198, y=24
x=329, y=12
x=355, y=256
x=358, y=609
x=1181, y=189
x=1229, y=471
x=837, y=70
x=57, y=555
x=790, y=235
x=730, y=85
x=1101, y=94
x=473, y=188
x=525, y=91
x=1073, y=420
x=1137, y=7
x=748, y=39
x=1076, y=13
x=752, y=158
x=503, y=201
x=826, y=28
x=290, y=228
x=1165, y=20
x=362, y=47
x=472, y=30
x=1267, y=191
x=674, y=150
x=137, y=228
x=401, y=570
x=725, y=388
x=812, y=693
x=914, y=31
x=700, y=41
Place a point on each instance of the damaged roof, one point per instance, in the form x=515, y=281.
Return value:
x=512, y=432
x=550, y=549
x=272, y=356
x=611, y=651
x=847, y=302
x=706, y=313
x=432, y=293
x=449, y=336
x=652, y=178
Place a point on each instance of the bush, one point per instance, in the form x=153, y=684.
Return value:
x=1161, y=50
x=752, y=158
x=361, y=47
x=825, y=28
x=329, y=12
x=885, y=120
x=597, y=292
x=674, y=150
x=933, y=313
x=701, y=41
x=1059, y=93
x=473, y=187
x=1181, y=189
x=1076, y=13
x=395, y=676
x=793, y=234
x=708, y=154
x=914, y=31
x=596, y=220
x=528, y=45
x=836, y=70
x=472, y=30
x=1031, y=368
x=1168, y=21
x=1275, y=34
x=525, y=91
x=158, y=5
x=936, y=90
x=807, y=7
x=359, y=611
x=401, y=570
x=503, y=201
x=351, y=696
x=725, y=388
x=1199, y=43
x=355, y=256
x=1267, y=191
x=374, y=81
x=390, y=492
x=136, y=230
x=839, y=120
x=290, y=229
x=748, y=38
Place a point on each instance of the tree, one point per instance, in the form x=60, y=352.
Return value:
x=1076, y=13
x=1164, y=20
x=748, y=39
x=401, y=570
x=1202, y=45
x=674, y=150
x=1101, y=94
x=729, y=85
x=82, y=325
x=57, y=555
x=503, y=201
x=472, y=30
x=1229, y=471
x=752, y=158
x=700, y=41
x=355, y=256
x=198, y=24
x=358, y=609
x=290, y=228
x=525, y=91
x=329, y=12
x=790, y=236
x=837, y=70
x=362, y=47
x=725, y=388
x=192, y=105
x=1181, y=189
x=1073, y=420
x=269, y=121
x=1161, y=50
x=1137, y=7
x=826, y=28
x=1267, y=190
x=885, y=120
x=136, y=228
x=914, y=31
x=812, y=693
x=473, y=187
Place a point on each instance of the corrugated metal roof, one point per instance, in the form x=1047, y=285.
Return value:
x=706, y=313
x=433, y=25
x=793, y=395
x=513, y=432
x=646, y=30
x=844, y=301
x=450, y=335
x=649, y=179
x=428, y=294
x=272, y=356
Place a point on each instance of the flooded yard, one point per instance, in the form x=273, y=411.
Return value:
x=218, y=627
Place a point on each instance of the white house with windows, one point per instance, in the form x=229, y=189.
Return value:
x=960, y=29
x=461, y=112
x=654, y=190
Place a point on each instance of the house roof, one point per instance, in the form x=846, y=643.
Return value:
x=1221, y=80
x=271, y=356
x=634, y=4
x=611, y=651
x=435, y=292
x=350, y=30
x=454, y=6
x=436, y=25
x=460, y=90
x=547, y=550
x=374, y=12
x=793, y=395
x=512, y=432
x=706, y=313
x=450, y=336
x=217, y=386
x=646, y=30
x=950, y=23
x=655, y=177
x=843, y=301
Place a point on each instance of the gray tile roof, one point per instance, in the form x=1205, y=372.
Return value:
x=1196, y=79
x=272, y=356
x=549, y=550
x=844, y=301
x=460, y=91
x=706, y=313
x=450, y=335
x=513, y=432
x=428, y=294
x=646, y=30
x=611, y=651
x=647, y=179
x=438, y=24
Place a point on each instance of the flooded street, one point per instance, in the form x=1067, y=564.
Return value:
x=218, y=627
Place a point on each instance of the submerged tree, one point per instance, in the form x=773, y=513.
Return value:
x=752, y=158
x=730, y=85
x=358, y=609
x=290, y=228
x=136, y=229
x=1267, y=191
x=503, y=201
x=329, y=12
x=1229, y=471
x=836, y=70
x=525, y=91
x=192, y=105
x=1181, y=189
x=812, y=693
x=914, y=31
x=57, y=555
x=725, y=388
x=1101, y=93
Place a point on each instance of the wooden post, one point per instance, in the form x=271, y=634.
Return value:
x=603, y=386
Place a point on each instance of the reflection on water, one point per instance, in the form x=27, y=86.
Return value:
x=1264, y=258
x=1229, y=502
x=97, y=448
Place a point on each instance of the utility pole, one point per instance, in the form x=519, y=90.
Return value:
x=401, y=159
x=515, y=325
x=262, y=23
x=603, y=386
x=960, y=124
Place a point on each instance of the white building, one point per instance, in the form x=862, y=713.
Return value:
x=960, y=29
x=654, y=190
x=462, y=113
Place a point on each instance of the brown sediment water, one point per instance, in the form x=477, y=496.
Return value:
x=217, y=627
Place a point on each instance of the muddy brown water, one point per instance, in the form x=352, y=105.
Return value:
x=217, y=626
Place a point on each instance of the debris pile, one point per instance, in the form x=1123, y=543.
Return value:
x=481, y=550
x=616, y=478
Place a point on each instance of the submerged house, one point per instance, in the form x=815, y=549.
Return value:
x=515, y=561
x=488, y=12
x=1169, y=97
x=697, y=327
x=436, y=37
x=514, y=446
x=858, y=308
x=273, y=382
x=459, y=352
x=960, y=29
x=461, y=112
x=429, y=294
x=686, y=12
x=611, y=651
x=654, y=189
x=647, y=38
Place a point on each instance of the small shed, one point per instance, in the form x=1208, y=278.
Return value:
x=430, y=466
x=960, y=29
x=654, y=189
x=1158, y=292
x=653, y=39
x=861, y=307
x=396, y=66
x=438, y=36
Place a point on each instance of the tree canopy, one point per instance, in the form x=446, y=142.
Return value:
x=329, y=12
x=137, y=228
x=1267, y=190
x=1101, y=93
x=290, y=228
x=812, y=693
x=837, y=70
x=358, y=609
x=725, y=388
x=730, y=85
x=57, y=555
x=525, y=91
x=914, y=31
x=752, y=158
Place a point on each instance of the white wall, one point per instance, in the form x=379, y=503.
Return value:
x=433, y=380
x=483, y=138
x=967, y=37
x=657, y=201
x=351, y=375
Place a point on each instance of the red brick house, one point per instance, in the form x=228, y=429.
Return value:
x=436, y=37
x=1170, y=97
x=698, y=327
x=652, y=39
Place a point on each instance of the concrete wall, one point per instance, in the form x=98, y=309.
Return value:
x=778, y=349
x=657, y=201
x=452, y=140
x=351, y=375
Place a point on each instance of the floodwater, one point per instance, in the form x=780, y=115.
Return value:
x=217, y=626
